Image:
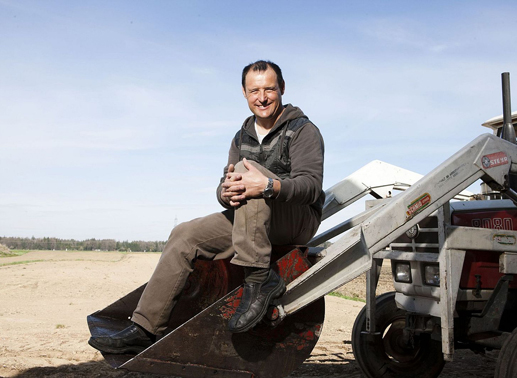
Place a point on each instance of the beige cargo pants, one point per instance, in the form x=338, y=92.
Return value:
x=247, y=233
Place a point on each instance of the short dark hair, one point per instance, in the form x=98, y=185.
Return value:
x=262, y=65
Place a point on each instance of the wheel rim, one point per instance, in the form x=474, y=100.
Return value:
x=396, y=346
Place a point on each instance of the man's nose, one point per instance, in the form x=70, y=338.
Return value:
x=262, y=96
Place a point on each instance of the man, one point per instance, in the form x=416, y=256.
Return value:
x=272, y=190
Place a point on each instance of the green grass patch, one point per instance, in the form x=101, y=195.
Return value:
x=60, y=326
x=22, y=262
x=339, y=295
x=14, y=252
x=22, y=252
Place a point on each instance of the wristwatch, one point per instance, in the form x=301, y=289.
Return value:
x=268, y=191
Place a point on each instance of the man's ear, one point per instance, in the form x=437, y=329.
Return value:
x=244, y=92
x=282, y=90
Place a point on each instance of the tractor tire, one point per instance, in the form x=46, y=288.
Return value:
x=386, y=355
x=506, y=366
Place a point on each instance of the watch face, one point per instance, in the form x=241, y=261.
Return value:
x=268, y=191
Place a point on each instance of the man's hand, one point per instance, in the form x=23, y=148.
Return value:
x=239, y=187
x=230, y=187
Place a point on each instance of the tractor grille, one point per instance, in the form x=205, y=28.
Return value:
x=425, y=241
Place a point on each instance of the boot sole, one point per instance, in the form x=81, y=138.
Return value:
x=132, y=349
x=277, y=292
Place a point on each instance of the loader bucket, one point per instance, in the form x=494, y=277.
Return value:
x=199, y=344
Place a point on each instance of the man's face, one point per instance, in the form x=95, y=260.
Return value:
x=264, y=95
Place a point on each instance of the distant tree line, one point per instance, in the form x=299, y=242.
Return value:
x=88, y=244
x=82, y=245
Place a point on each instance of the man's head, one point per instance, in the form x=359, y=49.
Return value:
x=261, y=66
x=263, y=87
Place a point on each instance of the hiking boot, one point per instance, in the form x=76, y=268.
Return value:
x=131, y=340
x=255, y=301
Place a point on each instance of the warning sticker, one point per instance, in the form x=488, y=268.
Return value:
x=494, y=160
x=418, y=205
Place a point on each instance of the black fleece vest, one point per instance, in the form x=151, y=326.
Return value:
x=273, y=153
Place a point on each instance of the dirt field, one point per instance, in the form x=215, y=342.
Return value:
x=44, y=304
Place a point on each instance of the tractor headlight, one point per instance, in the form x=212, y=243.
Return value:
x=402, y=272
x=432, y=275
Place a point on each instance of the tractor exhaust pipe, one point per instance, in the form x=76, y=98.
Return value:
x=508, y=132
x=508, y=129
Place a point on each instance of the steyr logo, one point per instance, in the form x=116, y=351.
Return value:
x=494, y=160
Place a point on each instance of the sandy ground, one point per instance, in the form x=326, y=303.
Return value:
x=45, y=299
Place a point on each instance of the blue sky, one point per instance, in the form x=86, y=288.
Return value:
x=116, y=117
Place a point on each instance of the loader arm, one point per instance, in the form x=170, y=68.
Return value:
x=377, y=178
x=487, y=157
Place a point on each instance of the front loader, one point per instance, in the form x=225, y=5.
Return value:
x=199, y=345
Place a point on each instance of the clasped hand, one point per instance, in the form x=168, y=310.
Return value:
x=239, y=187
